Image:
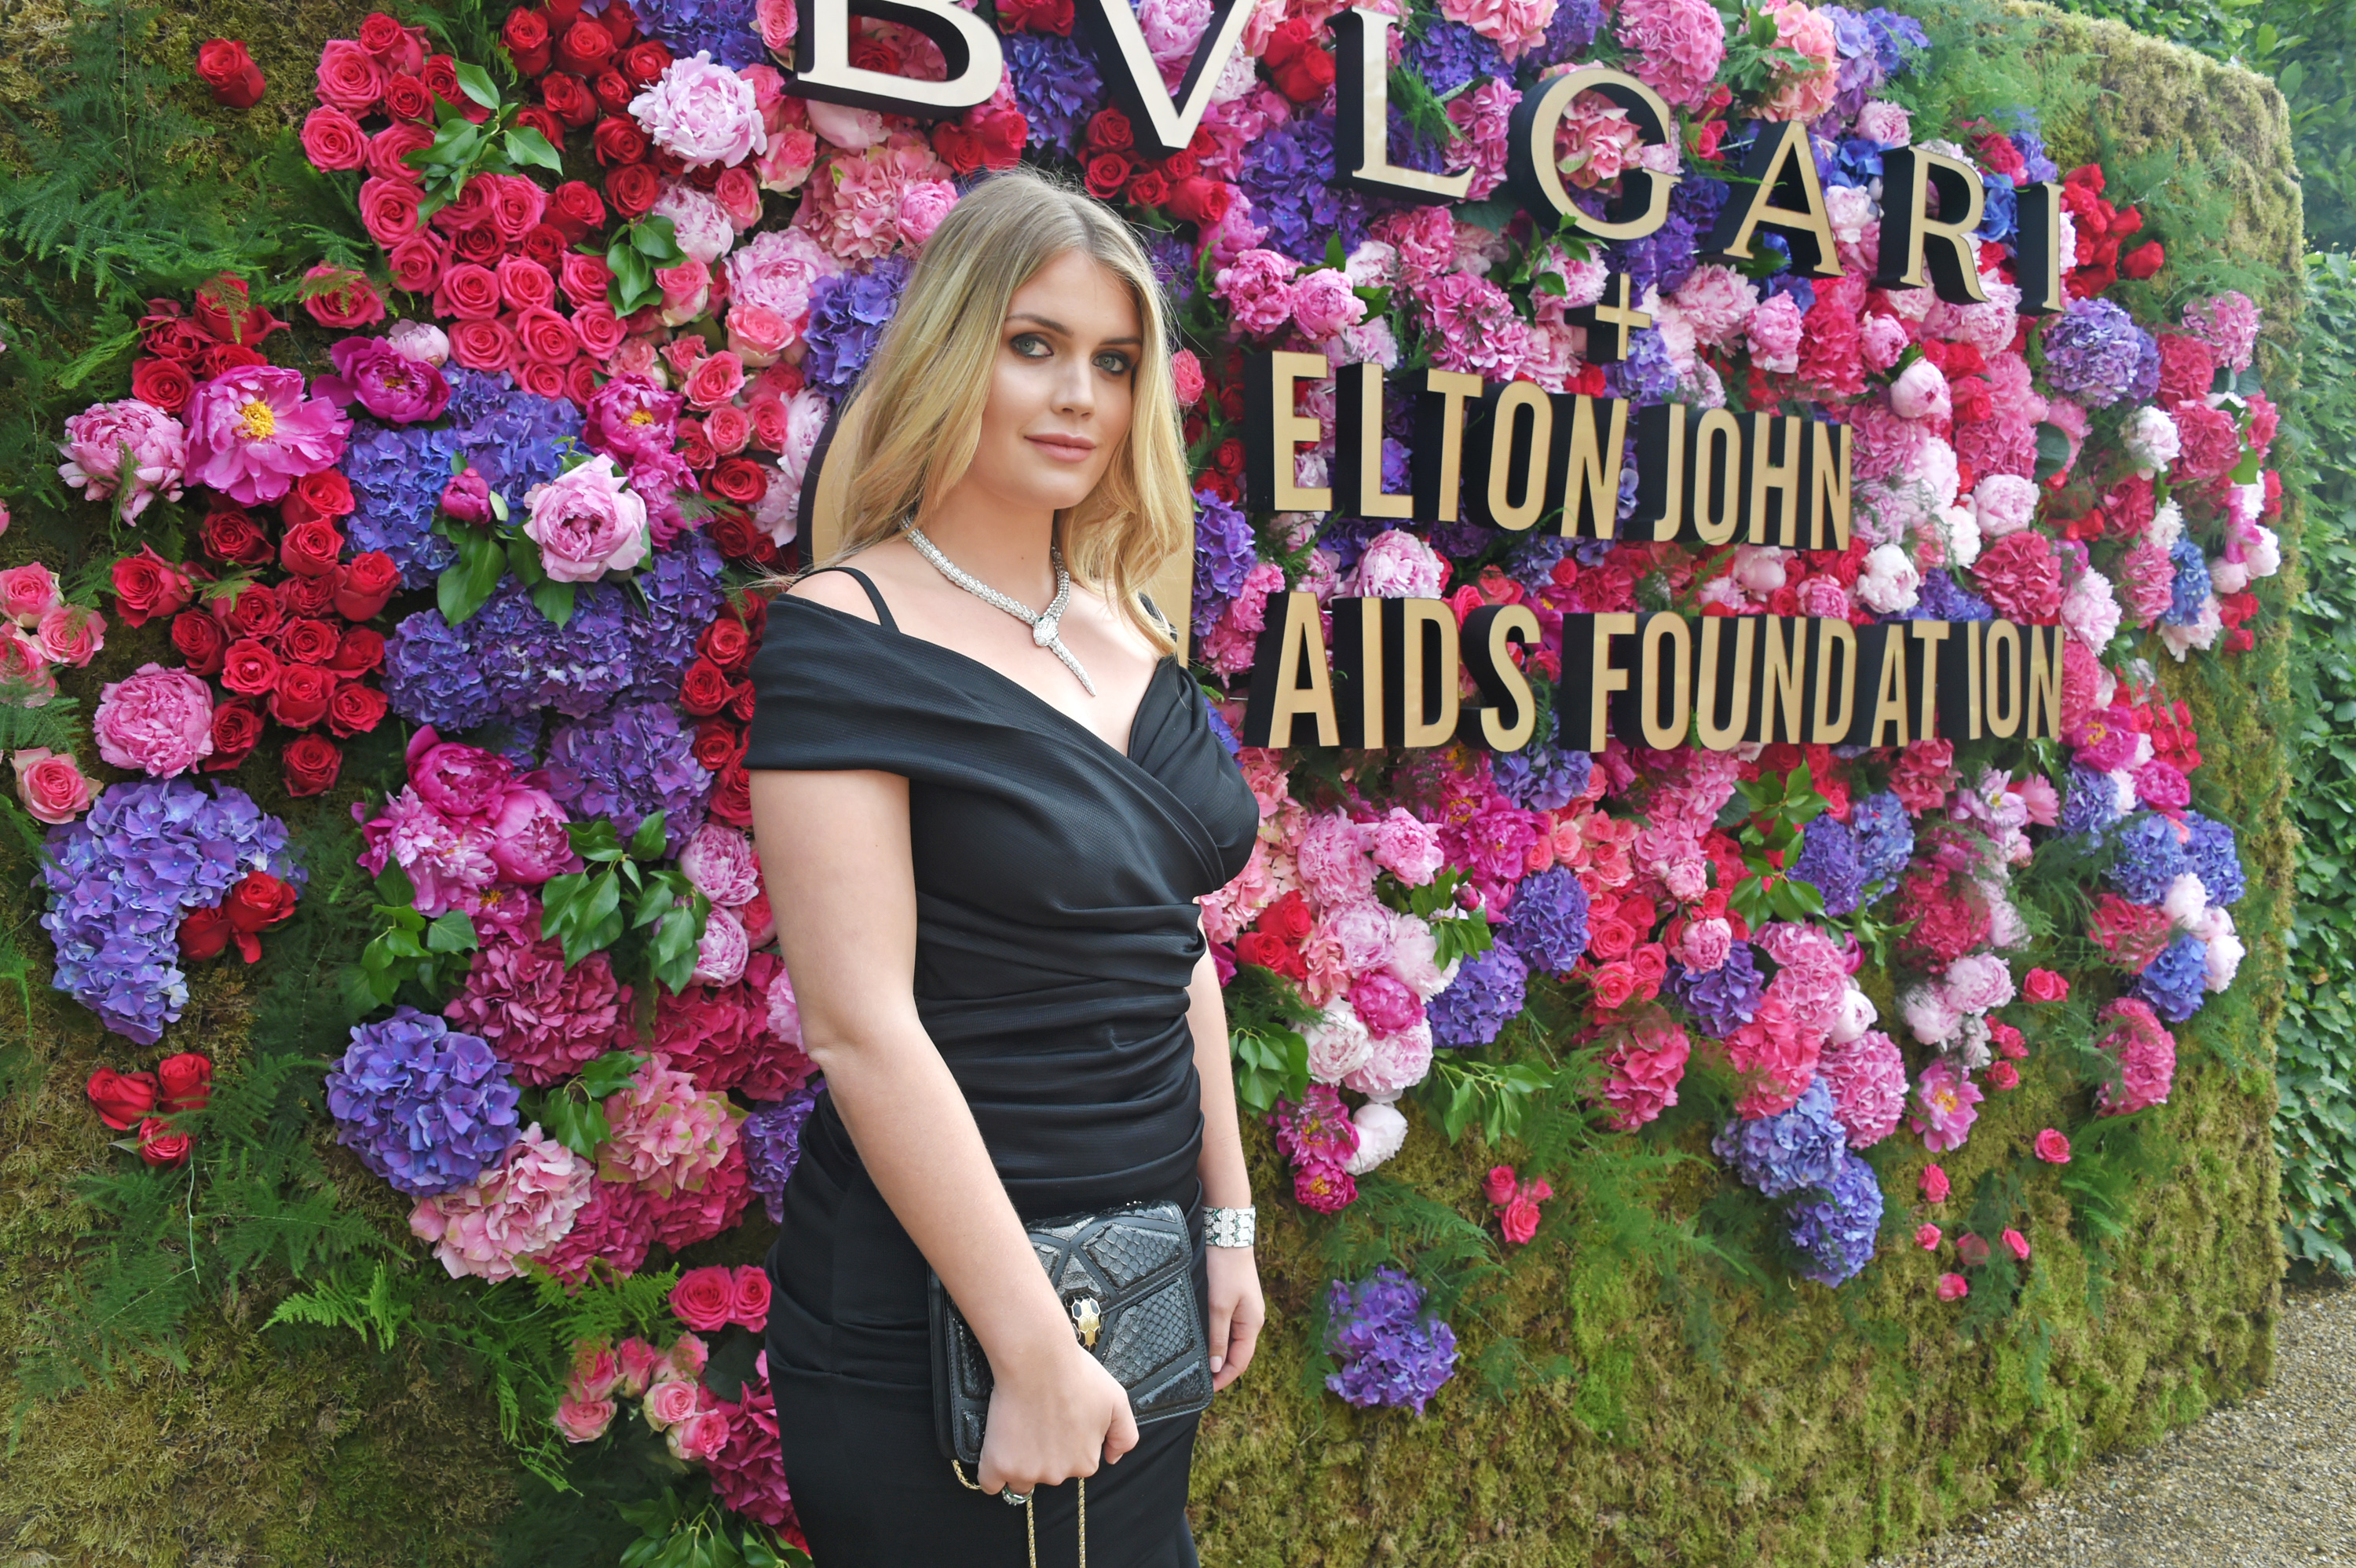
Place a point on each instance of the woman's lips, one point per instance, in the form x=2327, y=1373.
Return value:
x=1069, y=449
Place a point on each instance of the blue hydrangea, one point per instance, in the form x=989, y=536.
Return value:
x=1056, y=85
x=1548, y=926
x=1288, y=178
x=1221, y=730
x=1539, y=777
x=424, y=1106
x=1898, y=40
x=847, y=313
x=1834, y=1228
x=2096, y=353
x=1885, y=836
x=2031, y=147
x=1723, y=1000
x=682, y=594
x=2001, y=216
x=1942, y=599
x=2176, y=981
x=1486, y=995
x=2186, y=594
x=1645, y=375
x=772, y=1137
x=2146, y=857
x=529, y=662
x=726, y=27
x=2090, y=802
x=1827, y=861
x=2211, y=856
x=121, y=877
x=1780, y=1155
x=1224, y=556
x=1533, y=561
x=1390, y=1352
x=627, y=763
x=1451, y=55
x=1856, y=160
x=432, y=676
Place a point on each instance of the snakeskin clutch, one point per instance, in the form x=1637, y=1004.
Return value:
x=1126, y=1279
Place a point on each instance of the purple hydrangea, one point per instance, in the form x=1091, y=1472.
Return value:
x=1221, y=730
x=1856, y=162
x=424, y=1106
x=1827, y=861
x=1224, y=556
x=2176, y=981
x=1172, y=259
x=2090, y=802
x=1533, y=561
x=682, y=595
x=2210, y=853
x=1288, y=178
x=432, y=676
x=2098, y=355
x=626, y=763
x=2186, y=594
x=726, y=27
x=1574, y=26
x=1779, y=1154
x=1548, y=924
x=529, y=662
x=1486, y=995
x=1056, y=85
x=1646, y=375
x=1897, y=40
x=1723, y=1000
x=1451, y=55
x=2031, y=147
x=1835, y=1229
x=1885, y=836
x=772, y=1136
x=2146, y=857
x=1391, y=1352
x=1942, y=599
x=847, y=313
x=121, y=878
x=1539, y=777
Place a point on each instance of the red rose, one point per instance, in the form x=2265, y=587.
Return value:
x=300, y=698
x=203, y=935
x=1151, y=189
x=524, y=38
x=389, y=209
x=703, y=1298
x=546, y=336
x=312, y=597
x=2044, y=986
x=361, y=651
x=363, y=584
x=1287, y=920
x=568, y=102
x=644, y=62
x=308, y=642
x=250, y=668
x=345, y=299
x=576, y=210
x=407, y=98
x=326, y=494
x=632, y=188
x=355, y=709
x=147, y=586
x=734, y=535
x=704, y=689
x=223, y=357
x=1106, y=172
x=309, y=549
x=544, y=245
x=739, y=479
x=1109, y=131
x=732, y=796
x=585, y=48
x=186, y=1080
x=1301, y=70
x=717, y=744
x=230, y=535
x=122, y=1098
x=482, y=345
x=1256, y=947
x=1036, y=15
x=742, y=698
x=254, y=906
x=390, y=149
x=160, y=1145
x=333, y=140
x=224, y=66
x=162, y=384
x=400, y=49
x=583, y=279
x=253, y=611
x=311, y=763
x=2144, y=261
x=199, y=639
x=542, y=380
x=727, y=643
x=442, y=80
x=613, y=91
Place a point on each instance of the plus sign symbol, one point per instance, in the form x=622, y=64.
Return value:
x=1609, y=321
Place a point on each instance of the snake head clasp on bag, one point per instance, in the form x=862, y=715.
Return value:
x=1086, y=1321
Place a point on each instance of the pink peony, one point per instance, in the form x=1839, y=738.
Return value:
x=668, y=1134
x=465, y=783
x=131, y=443
x=545, y=1020
x=587, y=523
x=1676, y=45
x=1339, y=1043
x=1397, y=565
x=775, y=269
x=701, y=113
x=1867, y=1078
x=157, y=720
x=529, y=844
x=1332, y=863
x=253, y=432
x=1259, y=290
x=391, y=385
x=1978, y=982
x=1387, y=1006
x=1947, y=1105
x=922, y=207
x=1324, y=305
x=447, y=864
x=718, y=862
x=721, y=951
x=1396, y=1063
x=519, y=1206
x=1772, y=333
x=1405, y=846
x=1716, y=301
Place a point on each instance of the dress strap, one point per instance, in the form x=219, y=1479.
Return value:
x=882, y=611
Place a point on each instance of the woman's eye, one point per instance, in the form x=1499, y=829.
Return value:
x=1029, y=345
x=1113, y=364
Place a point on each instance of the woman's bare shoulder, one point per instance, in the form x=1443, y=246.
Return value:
x=836, y=590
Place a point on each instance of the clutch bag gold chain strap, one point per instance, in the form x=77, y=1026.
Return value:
x=1031, y=1515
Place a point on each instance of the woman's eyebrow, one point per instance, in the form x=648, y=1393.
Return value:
x=1053, y=326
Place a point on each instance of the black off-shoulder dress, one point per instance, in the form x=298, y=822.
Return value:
x=1056, y=932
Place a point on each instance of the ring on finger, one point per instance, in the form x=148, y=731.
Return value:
x=1019, y=1499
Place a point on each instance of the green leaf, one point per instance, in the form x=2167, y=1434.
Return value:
x=476, y=83
x=554, y=601
x=2052, y=451
x=610, y=1073
x=467, y=586
x=523, y=560
x=647, y=842
x=393, y=886
x=528, y=146
x=593, y=839
x=657, y=239
x=452, y=931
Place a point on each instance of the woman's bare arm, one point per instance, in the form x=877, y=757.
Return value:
x=835, y=853
x=1237, y=1311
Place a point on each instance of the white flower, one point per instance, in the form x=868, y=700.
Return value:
x=701, y=113
x=1889, y=583
x=1381, y=1133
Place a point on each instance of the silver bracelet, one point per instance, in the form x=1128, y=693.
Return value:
x=1229, y=1227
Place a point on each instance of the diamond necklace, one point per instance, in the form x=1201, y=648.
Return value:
x=1046, y=624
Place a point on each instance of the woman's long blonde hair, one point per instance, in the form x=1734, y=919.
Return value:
x=921, y=395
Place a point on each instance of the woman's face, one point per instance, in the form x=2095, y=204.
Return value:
x=1061, y=387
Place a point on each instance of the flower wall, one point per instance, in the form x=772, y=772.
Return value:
x=436, y=544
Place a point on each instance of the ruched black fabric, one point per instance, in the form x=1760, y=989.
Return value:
x=1056, y=932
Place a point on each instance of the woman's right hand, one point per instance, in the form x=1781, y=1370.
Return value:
x=1053, y=1420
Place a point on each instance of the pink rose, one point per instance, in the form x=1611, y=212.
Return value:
x=687, y=1356
x=759, y=336
x=2053, y=1147
x=716, y=379
x=595, y=1371
x=1934, y=1184
x=529, y=844
x=750, y=1306
x=2045, y=985
x=672, y=1400
x=639, y=1361
x=700, y=1438
x=1954, y=1287
x=71, y=633
x=1927, y=1238
x=703, y=1298
x=26, y=593
x=1519, y=1218
x=1188, y=371
x=583, y=1420
x=1324, y=305
x=2016, y=1243
x=51, y=783
x=25, y=679
x=157, y=720
x=587, y=523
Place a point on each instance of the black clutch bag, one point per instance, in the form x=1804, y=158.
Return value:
x=1126, y=1278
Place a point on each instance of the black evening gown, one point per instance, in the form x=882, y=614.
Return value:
x=1056, y=932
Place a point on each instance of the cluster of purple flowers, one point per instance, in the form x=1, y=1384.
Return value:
x=680, y=586
x=1487, y=994
x=1548, y=926
x=424, y=1106
x=847, y=313
x=529, y=662
x=2176, y=981
x=1224, y=556
x=1941, y=597
x=629, y=762
x=432, y=675
x=1721, y=999
x=1779, y=1154
x=1835, y=1227
x=1828, y=863
x=2089, y=801
x=2097, y=353
x=121, y=878
x=1056, y=85
x=2209, y=851
x=1450, y=55
x=726, y=27
x=1391, y=1354
x=1885, y=836
x=1288, y=179
x=772, y=1137
x=1539, y=777
x=2146, y=857
x=2192, y=584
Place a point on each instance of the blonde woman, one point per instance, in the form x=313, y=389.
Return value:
x=986, y=797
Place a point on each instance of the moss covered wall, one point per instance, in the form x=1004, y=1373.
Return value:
x=1820, y=1427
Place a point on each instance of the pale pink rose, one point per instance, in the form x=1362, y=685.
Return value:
x=1188, y=371
x=51, y=783
x=639, y=1361
x=26, y=593
x=686, y=291
x=1323, y=303
x=1921, y=393
x=669, y=1401
x=1397, y=565
x=1259, y=290
x=71, y=633
x=104, y=440
x=157, y=720
x=719, y=957
x=701, y=113
x=687, y=1357
x=587, y=523
x=759, y=336
x=847, y=127
x=699, y=1437
x=583, y=1420
x=595, y=1371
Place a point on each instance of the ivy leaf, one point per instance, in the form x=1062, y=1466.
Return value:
x=393, y=886
x=476, y=83
x=452, y=931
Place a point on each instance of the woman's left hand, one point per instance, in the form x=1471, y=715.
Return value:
x=1238, y=1312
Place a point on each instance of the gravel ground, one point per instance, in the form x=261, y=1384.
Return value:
x=2266, y=1484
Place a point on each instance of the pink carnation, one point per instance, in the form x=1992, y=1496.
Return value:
x=253, y=432
x=157, y=720
x=701, y=113
x=108, y=440
x=1678, y=46
x=2146, y=1053
x=545, y=1020
x=1259, y=290
x=668, y=1133
x=610, y=1229
x=1867, y=1078
x=523, y=1206
x=1947, y=1105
